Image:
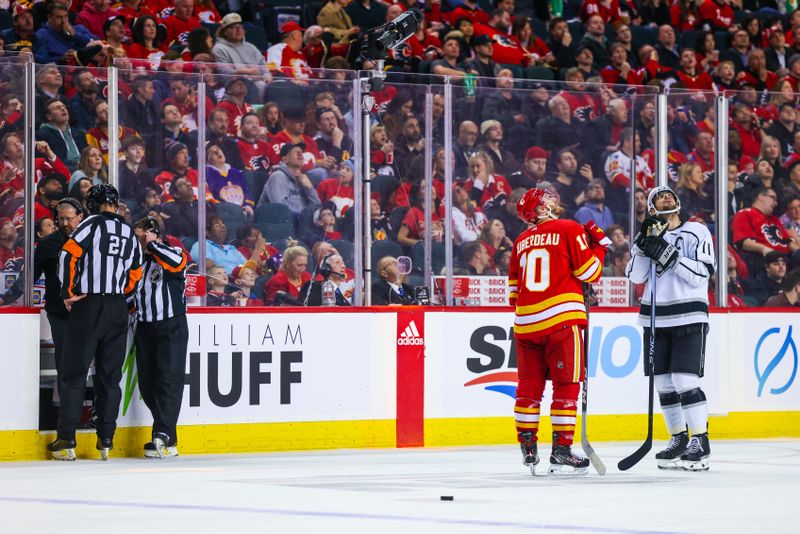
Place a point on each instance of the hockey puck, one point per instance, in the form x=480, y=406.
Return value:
x=446, y=498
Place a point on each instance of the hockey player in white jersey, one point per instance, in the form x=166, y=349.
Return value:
x=684, y=256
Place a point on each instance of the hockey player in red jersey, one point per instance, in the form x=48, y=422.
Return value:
x=550, y=262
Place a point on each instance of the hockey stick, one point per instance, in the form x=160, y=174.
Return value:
x=597, y=463
x=633, y=459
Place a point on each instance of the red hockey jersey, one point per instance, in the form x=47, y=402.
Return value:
x=549, y=263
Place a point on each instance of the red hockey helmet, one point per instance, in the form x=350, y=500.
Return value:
x=536, y=198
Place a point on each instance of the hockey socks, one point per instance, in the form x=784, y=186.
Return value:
x=526, y=419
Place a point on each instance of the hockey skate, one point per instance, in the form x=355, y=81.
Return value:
x=564, y=462
x=670, y=457
x=530, y=453
x=104, y=445
x=695, y=458
x=62, y=449
x=160, y=447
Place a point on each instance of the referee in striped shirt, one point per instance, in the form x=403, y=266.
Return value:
x=161, y=335
x=101, y=264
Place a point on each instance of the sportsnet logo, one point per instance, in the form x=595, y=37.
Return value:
x=410, y=335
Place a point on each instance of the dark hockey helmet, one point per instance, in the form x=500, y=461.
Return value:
x=654, y=194
x=528, y=205
x=99, y=195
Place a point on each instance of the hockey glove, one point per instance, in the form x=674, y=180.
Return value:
x=657, y=249
x=651, y=226
x=596, y=234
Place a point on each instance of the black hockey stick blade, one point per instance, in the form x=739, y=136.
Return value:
x=641, y=452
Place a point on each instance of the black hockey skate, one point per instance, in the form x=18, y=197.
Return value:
x=564, y=462
x=670, y=458
x=530, y=452
x=104, y=445
x=695, y=458
x=160, y=447
x=62, y=449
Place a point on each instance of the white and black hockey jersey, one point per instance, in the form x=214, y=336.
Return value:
x=682, y=291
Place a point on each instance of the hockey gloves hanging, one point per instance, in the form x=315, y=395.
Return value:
x=596, y=234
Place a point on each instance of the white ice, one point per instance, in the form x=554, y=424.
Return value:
x=752, y=487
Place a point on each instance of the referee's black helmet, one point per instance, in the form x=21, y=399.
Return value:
x=99, y=195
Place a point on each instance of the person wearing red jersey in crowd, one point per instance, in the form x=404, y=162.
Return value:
x=251, y=244
x=469, y=9
x=181, y=22
x=286, y=56
x=425, y=44
x=412, y=229
x=493, y=237
x=619, y=71
x=253, y=149
x=233, y=103
x=10, y=251
x=317, y=165
x=744, y=122
x=339, y=189
x=690, y=76
x=147, y=43
x=619, y=165
x=757, y=231
x=550, y=262
x=131, y=9
x=674, y=158
x=49, y=190
x=608, y=10
x=206, y=12
x=703, y=153
x=98, y=136
x=185, y=99
x=506, y=49
x=244, y=278
x=284, y=287
x=756, y=74
x=177, y=166
x=485, y=187
x=533, y=46
x=94, y=15
x=582, y=105
x=683, y=15
x=717, y=13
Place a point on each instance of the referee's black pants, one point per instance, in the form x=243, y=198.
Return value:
x=97, y=329
x=161, y=364
x=58, y=327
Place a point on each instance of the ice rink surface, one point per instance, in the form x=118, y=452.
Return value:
x=753, y=486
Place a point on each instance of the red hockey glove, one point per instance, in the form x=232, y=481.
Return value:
x=596, y=235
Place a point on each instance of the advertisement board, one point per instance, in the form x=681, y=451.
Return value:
x=471, y=365
x=249, y=367
x=19, y=381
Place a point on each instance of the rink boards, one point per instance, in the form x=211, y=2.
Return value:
x=397, y=377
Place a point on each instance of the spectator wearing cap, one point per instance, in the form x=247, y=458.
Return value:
x=114, y=34
x=181, y=22
x=317, y=166
x=94, y=15
x=234, y=103
x=132, y=176
x=21, y=35
x=666, y=47
x=287, y=56
x=535, y=106
x=49, y=190
x=790, y=292
x=785, y=127
x=58, y=36
x=232, y=48
x=367, y=14
x=595, y=40
x=448, y=64
x=503, y=161
x=768, y=279
x=534, y=171
x=483, y=64
x=66, y=142
x=177, y=166
x=180, y=212
x=218, y=252
x=777, y=54
x=594, y=207
x=584, y=62
x=331, y=140
x=287, y=184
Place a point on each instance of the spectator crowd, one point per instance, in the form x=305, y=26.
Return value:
x=561, y=100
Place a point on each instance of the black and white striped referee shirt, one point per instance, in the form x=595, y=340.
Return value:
x=103, y=257
x=161, y=293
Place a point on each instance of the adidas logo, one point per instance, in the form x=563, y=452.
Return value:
x=410, y=336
